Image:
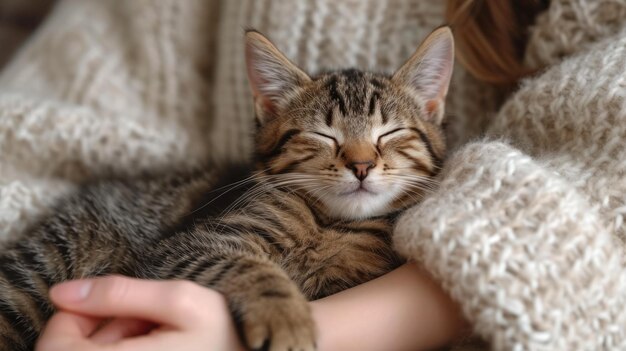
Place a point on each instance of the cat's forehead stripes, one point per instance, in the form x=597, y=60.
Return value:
x=354, y=92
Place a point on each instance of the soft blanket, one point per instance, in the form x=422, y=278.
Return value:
x=526, y=231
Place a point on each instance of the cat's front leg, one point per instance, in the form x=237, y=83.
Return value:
x=268, y=307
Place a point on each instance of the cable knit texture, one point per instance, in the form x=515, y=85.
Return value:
x=526, y=230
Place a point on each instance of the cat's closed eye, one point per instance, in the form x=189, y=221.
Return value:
x=388, y=134
x=329, y=137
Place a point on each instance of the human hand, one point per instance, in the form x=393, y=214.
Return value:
x=144, y=315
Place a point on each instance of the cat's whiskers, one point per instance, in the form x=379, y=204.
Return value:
x=245, y=180
x=249, y=196
x=266, y=182
x=410, y=182
x=412, y=197
x=418, y=185
x=413, y=186
x=414, y=178
x=318, y=198
x=302, y=181
x=410, y=175
x=228, y=187
x=418, y=188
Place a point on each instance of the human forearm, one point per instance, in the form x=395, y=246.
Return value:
x=402, y=310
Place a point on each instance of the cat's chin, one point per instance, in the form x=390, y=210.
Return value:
x=359, y=204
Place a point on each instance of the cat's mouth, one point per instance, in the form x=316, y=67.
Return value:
x=360, y=189
x=357, y=200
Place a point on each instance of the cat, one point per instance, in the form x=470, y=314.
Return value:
x=337, y=157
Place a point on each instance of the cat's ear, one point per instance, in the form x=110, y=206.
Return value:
x=429, y=70
x=272, y=76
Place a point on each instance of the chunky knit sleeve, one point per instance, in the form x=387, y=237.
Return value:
x=526, y=255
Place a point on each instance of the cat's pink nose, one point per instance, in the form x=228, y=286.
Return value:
x=361, y=169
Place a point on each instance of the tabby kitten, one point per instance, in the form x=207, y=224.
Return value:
x=337, y=156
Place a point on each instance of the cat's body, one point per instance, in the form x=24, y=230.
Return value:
x=174, y=235
x=337, y=157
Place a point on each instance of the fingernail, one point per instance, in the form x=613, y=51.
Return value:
x=73, y=291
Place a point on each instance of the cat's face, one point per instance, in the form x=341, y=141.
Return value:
x=357, y=143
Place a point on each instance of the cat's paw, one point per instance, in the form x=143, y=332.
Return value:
x=279, y=324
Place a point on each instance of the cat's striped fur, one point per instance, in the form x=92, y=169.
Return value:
x=337, y=157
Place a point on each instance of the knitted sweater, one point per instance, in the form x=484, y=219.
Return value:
x=526, y=229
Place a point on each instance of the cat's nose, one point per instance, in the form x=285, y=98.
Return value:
x=361, y=169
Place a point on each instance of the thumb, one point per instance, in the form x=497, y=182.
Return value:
x=163, y=302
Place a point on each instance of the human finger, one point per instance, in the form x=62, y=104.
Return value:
x=173, y=303
x=66, y=331
x=121, y=328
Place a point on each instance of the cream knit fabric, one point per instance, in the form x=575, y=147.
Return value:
x=525, y=228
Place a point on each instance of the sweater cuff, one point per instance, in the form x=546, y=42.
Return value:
x=522, y=251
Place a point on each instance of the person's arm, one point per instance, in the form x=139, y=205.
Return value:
x=402, y=310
